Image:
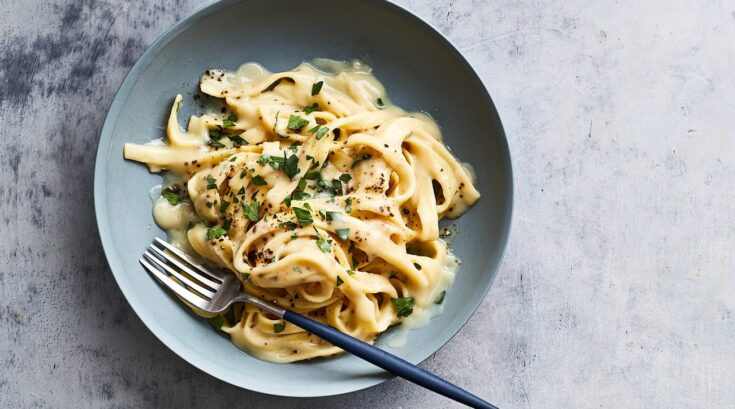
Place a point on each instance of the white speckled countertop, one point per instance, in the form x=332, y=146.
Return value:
x=618, y=286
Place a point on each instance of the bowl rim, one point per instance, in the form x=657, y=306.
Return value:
x=100, y=200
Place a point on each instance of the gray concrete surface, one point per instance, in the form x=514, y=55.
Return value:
x=618, y=288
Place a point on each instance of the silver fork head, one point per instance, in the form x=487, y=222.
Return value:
x=210, y=290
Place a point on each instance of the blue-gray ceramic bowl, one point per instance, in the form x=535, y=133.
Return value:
x=421, y=71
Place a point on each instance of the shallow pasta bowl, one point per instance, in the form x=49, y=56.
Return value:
x=420, y=70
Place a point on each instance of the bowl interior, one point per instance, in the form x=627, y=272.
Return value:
x=420, y=70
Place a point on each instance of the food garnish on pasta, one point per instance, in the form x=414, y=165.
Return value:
x=318, y=194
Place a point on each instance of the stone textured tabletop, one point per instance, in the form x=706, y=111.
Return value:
x=618, y=286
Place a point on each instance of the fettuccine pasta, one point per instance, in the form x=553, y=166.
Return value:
x=318, y=194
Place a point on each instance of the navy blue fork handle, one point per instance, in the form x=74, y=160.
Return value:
x=387, y=361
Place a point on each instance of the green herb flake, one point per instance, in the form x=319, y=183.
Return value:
x=380, y=102
x=417, y=265
x=251, y=211
x=311, y=108
x=237, y=140
x=348, y=205
x=264, y=159
x=345, y=177
x=215, y=232
x=403, y=305
x=313, y=175
x=217, y=322
x=289, y=225
x=291, y=166
x=303, y=216
x=215, y=144
x=339, y=281
x=226, y=225
x=245, y=276
x=440, y=298
x=295, y=122
x=259, y=181
x=337, y=187
x=243, y=173
x=278, y=327
x=314, y=129
x=321, y=132
x=343, y=233
x=324, y=245
x=223, y=206
x=229, y=121
x=316, y=87
x=211, y=182
x=350, y=272
x=171, y=196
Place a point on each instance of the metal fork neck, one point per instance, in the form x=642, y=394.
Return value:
x=264, y=305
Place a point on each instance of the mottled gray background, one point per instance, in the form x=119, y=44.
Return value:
x=617, y=289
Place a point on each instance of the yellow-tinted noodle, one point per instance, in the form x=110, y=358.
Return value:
x=379, y=172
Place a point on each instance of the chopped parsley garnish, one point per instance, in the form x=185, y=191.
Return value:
x=314, y=129
x=324, y=245
x=404, y=305
x=215, y=232
x=296, y=122
x=348, y=205
x=380, y=102
x=245, y=276
x=339, y=281
x=223, y=206
x=311, y=108
x=229, y=121
x=237, y=140
x=226, y=225
x=217, y=322
x=278, y=327
x=345, y=177
x=316, y=87
x=259, y=181
x=216, y=144
x=171, y=196
x=303, y=216
x=440, y=298
x=243, y=172
x=328, y=216
x=350, y=272
x=211, y=182
x=337, y=187
x=291, y=166
x=251, y=211
x=289, y=225
x=417, y=265
x=215, y=135
x=313, y=175
x=343, y=233
x=321, y=132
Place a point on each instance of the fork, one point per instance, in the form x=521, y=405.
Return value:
x=213, y=290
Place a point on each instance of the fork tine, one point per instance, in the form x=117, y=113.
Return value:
x=174, y=286
x=218, y=276
x=197, y=276
x=201, y=290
